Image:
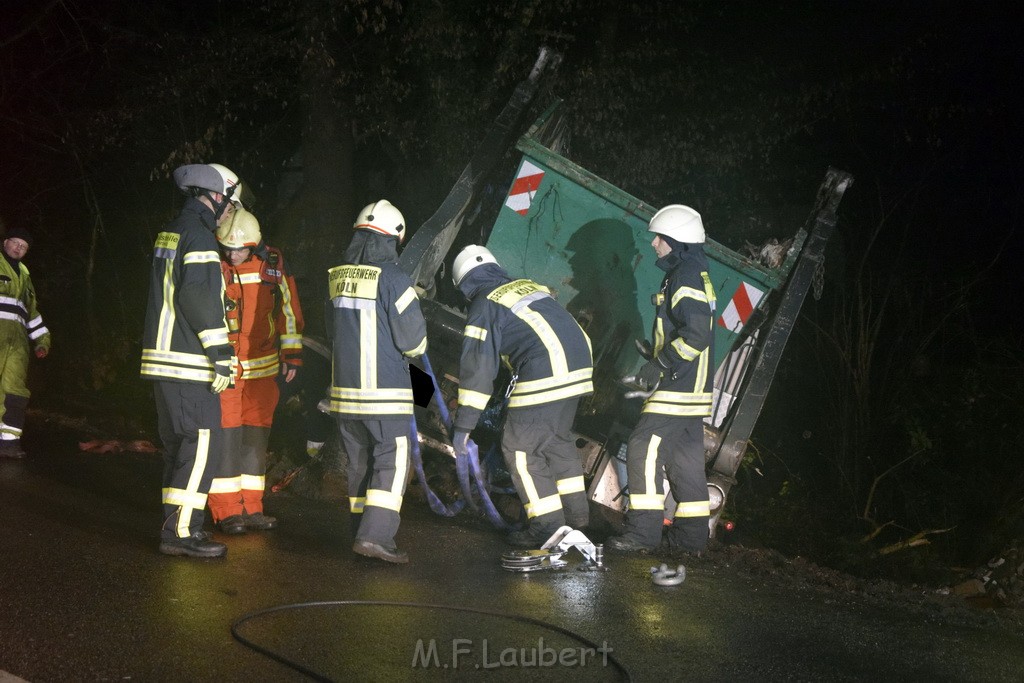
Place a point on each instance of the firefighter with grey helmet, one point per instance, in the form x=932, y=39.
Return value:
x=22, y=335
x=186, y=354
x=518, y=322
x=377, y=326
x=676, y=381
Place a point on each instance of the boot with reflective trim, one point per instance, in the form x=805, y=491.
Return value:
x=196, y=545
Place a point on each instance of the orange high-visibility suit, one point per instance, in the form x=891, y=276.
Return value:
x=265, y=330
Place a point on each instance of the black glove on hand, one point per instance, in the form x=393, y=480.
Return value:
x=649, y=374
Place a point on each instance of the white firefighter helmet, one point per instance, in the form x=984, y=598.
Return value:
x=241, y=231
x=469, y=258
x=382, y=217
x=211, y=177
x=679, y=222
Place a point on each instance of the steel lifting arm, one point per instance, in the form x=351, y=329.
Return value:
x=430, y=244
x=735, y=436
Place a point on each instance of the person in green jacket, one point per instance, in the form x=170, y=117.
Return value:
x=21, y=331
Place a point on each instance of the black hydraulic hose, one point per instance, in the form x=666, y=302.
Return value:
x=316, y=676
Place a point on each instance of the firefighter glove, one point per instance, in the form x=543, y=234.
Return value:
x=41, y=351
x=289, y=371
x=220, y=383
x=222, y=378
x=645, y=381
x=649, y=374
x=635, y=389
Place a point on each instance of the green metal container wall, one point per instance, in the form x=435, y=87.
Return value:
x=587, y=240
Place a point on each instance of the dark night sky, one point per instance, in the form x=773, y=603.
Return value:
x=972, y=204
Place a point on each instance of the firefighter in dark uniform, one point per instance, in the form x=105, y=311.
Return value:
x=549, y=355
x=376, y=325
x=668, y=441
x=185, y=352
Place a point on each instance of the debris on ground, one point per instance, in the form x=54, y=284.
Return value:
x=115, y=446
x=1000, y=581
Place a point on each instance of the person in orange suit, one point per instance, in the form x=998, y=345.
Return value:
x=265, y=330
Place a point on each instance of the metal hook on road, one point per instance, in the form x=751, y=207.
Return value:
x=664, y=576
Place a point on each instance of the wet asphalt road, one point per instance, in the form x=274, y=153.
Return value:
x=85, y=596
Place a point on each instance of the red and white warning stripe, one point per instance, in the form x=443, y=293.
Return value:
x=520, y=196
x=740, y=308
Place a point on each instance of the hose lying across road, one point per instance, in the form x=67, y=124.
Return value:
x=316, y=676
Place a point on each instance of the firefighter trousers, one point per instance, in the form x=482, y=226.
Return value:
x=241, y=476
x=668, y=448
x=188, y=420
x=541, y=456
x=14, y=358
x=378, y=471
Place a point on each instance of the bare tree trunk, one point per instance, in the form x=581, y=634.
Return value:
x=317, y=225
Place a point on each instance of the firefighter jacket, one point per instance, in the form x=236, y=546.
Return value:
x=519, y=323
x=20, y=320
x=376, y=323
x=263, y=314
x=185, y=338
x=684, y=335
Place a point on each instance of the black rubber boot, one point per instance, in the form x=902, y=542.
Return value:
x=233, y=525
x=627, y=544
x=11, y=449
x=258, y=521
x=379, y=552
x=196, y=545
x=529, y=538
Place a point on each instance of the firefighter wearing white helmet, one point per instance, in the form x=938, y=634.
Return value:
x=518, y=323
x=382, y=217
x=679, y=222
x=215, y=185
x=187, y=356
x=468, y=259
x=376, y=325
x=265, y=330
x=676, y=381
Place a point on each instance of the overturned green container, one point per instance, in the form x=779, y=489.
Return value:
x=586, y=239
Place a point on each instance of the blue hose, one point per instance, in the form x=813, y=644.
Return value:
x=492, y=512
x=461, y=462
x=468, y=464
x=435, y=503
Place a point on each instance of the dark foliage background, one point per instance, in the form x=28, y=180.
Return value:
x=890, y=440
